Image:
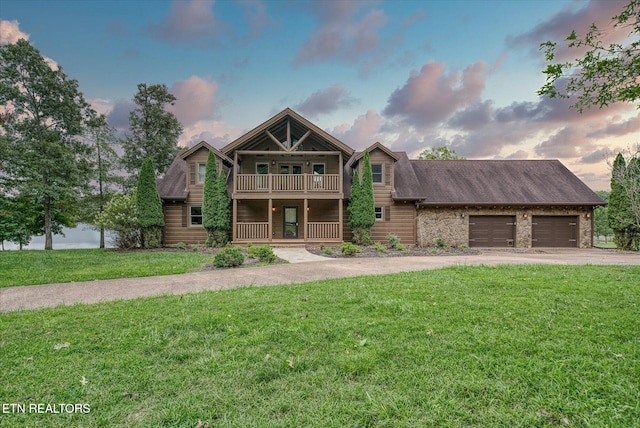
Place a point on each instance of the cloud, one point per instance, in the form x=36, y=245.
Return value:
x=560, y=25
x=598, y=156
x=118, y=117
x=10, y=32
x=618, y=129
x=325, y=101
x=196, y=100
x=564, y=144
x=340, y=35
x=431, y=96
x=188, y=21
x=364, y=131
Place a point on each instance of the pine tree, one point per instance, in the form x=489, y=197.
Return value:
x=150, y=215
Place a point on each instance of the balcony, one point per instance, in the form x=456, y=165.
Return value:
x=288, y=183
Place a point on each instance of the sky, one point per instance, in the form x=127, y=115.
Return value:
x=409, y=74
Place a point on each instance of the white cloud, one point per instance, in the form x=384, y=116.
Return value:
x=10, y=32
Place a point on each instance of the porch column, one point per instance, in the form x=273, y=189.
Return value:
x=234, y=214
x=270, y=216
x=341, y=226
x=306, y=218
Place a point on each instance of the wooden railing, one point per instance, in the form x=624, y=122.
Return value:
x=270, y=183
x=323, y=230
x=260, y=231
x=252, y=231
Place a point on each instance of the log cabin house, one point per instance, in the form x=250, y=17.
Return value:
x=289, y=183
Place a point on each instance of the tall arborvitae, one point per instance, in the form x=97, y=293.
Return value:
x=209, y=197
x=222, y=224
x=361, y=205
x=619, y=215
x=150, y=214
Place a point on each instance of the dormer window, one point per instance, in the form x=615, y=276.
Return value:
x=202, y=172
x=376, y=169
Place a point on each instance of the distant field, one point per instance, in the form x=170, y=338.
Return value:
x=46, y=267
x=512, y=346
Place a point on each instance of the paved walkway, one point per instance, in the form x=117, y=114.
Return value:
x=51, y=295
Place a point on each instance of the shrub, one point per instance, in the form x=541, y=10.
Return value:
x=181, y=245
x=228, y=257
x=349, y=249
x=150, y=215
x=401, y=247
x=393, y=241
x=379, y=247
x=265, y=254
x=121, y=216
x=440, y=243
x=463, y=247
x=328, y=251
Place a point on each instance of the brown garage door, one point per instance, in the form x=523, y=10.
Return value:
x=491, y=230
x=554, y=231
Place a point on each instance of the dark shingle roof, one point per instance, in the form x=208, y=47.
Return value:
x=172, y=185
x=490, y=182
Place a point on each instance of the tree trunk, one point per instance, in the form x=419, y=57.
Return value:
x=48, y=239
x=101, y=237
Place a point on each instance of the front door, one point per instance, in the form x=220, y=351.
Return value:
x=291, y=222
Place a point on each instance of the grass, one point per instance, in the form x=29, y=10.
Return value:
x=462, y=346
x=46, y=267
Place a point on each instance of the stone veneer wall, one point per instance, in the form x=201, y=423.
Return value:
x=449, y=225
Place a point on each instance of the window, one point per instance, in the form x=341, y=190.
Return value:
x=262, y=182
x=290, y=169
x=202, y=172
x=195, y=216
x=379, y=212
x=376, y=169
x=318, y=168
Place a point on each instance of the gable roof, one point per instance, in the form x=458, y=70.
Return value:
x=265, y=126
x=377, y=145
x=173, y=185
x=490, y=182
x=186, y=153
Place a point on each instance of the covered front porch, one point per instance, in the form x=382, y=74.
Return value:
x=287, y=221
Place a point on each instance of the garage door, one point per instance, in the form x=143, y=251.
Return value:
x=491, y=231
x=554, y=231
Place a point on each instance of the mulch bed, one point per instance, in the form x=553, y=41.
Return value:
x=410, y=250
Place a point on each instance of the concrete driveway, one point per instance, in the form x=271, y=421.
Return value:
x=51, y=295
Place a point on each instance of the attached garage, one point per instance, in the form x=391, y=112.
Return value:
x=554, y=231
x=491, y=230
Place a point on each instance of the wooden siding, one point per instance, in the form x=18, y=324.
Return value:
x=176, y=214
x=402, y=223
x=175, y=232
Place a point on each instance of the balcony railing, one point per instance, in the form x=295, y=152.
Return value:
x=274, y=183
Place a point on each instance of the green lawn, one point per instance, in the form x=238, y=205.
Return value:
x=45, y=267
x=463, y=346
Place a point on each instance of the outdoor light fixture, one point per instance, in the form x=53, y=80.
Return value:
x=308, y=209
x=273, y=162
x=525, y=215
x=462, y=215
x=307, y=163
x=273, y=209
x=588, y=215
